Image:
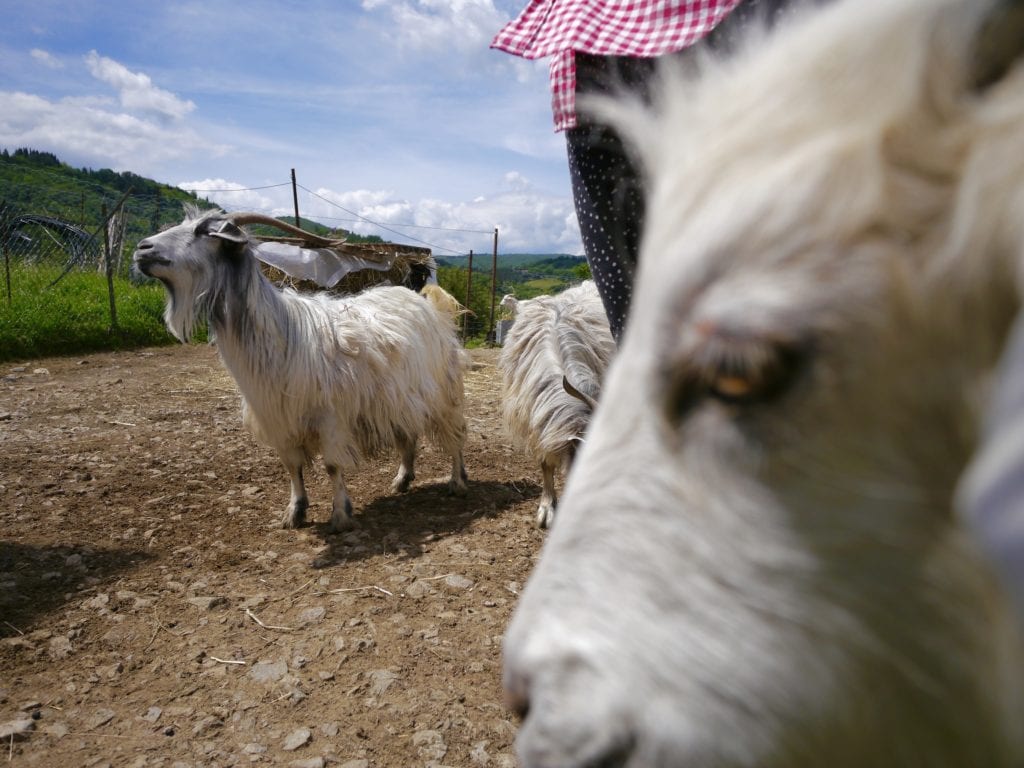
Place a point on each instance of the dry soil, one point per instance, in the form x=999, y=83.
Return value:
x=152, y=612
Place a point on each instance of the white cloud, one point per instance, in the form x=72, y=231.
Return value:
x=136, y=90
x=442, y=25
x=232, y=196
x=90, y=130
x=45, y=58
x=517, y=182
x=526, y=220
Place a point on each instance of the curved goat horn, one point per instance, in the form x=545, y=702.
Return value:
x=245, y=217
x=568, y=387
x=1000, y=42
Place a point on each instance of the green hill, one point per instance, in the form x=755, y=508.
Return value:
x=38, y=183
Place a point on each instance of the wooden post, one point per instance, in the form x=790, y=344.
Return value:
x=469, y=290
x=295, y=198
x=494, y=286
x=108, y=257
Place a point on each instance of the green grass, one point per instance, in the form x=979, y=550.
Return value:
x=73, y=316
x=540, y=286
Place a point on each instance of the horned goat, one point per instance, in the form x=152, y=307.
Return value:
x=339, y=377
x=759, y=560
x=555, y=339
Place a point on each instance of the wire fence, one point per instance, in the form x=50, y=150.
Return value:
x=72, y=229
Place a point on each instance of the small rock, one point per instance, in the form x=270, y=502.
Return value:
x=312, y=762
x=254, y=749
x=101, y=717
x=41, y=371
x=152, y=714
x=429, y=744
x=418, y=588
x=206, y=725
x=355, y=764
x=297, y=739
x=478, y=755
x=456, y=581
x=268, y=671
x=330, y=729
x=381, y=680
x=312, y=615
x=98, y=603
x=59, y=648
x=207, y=603
x=56, y=730
x=16, y=729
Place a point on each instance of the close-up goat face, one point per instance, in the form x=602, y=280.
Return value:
x=757, y=561
x=186, y=258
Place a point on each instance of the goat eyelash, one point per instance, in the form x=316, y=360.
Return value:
x=732, y=369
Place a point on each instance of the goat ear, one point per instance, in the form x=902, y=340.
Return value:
x=999, y=43
x=228, y=230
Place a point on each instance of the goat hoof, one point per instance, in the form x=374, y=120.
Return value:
x=341, y=523
x=545, y=516
x=295, y=514
x=401, y=483
x=457, y=487
x=341, y=519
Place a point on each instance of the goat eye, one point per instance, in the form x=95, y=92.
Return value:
x=732, y=370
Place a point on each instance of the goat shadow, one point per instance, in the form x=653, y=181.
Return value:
x=404, y=523
x=39, y=580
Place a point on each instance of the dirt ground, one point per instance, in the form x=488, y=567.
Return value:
x=152, y=612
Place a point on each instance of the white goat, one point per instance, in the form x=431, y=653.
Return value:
x=340, y=377
x=511, y=303
x=554, y=339
x=757, y=561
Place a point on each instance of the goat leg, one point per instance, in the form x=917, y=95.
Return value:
x=406, y=470
x=295, y=512
x=341, y=508
x=548, y=500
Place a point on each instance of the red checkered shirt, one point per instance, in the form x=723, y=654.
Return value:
x=644, y=28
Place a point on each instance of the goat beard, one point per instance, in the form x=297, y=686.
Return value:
x=182, y=313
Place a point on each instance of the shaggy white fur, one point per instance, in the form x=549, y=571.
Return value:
x=565, y=335
x=339, y=377
x=757, y=561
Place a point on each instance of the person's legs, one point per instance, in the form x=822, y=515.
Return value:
x=606, y=185
x=609, y=208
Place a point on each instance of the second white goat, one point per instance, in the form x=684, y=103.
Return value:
x=554, y=339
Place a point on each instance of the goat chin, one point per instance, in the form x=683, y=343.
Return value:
x=342, y=378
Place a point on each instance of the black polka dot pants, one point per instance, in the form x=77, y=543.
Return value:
x=609, y=207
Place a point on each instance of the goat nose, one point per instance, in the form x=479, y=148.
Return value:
x=569, y=717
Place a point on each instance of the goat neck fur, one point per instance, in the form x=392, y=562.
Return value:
x=565, y=335
x=757, y=561
x=340, y=377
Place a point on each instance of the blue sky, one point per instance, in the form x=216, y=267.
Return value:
x=395, y=110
